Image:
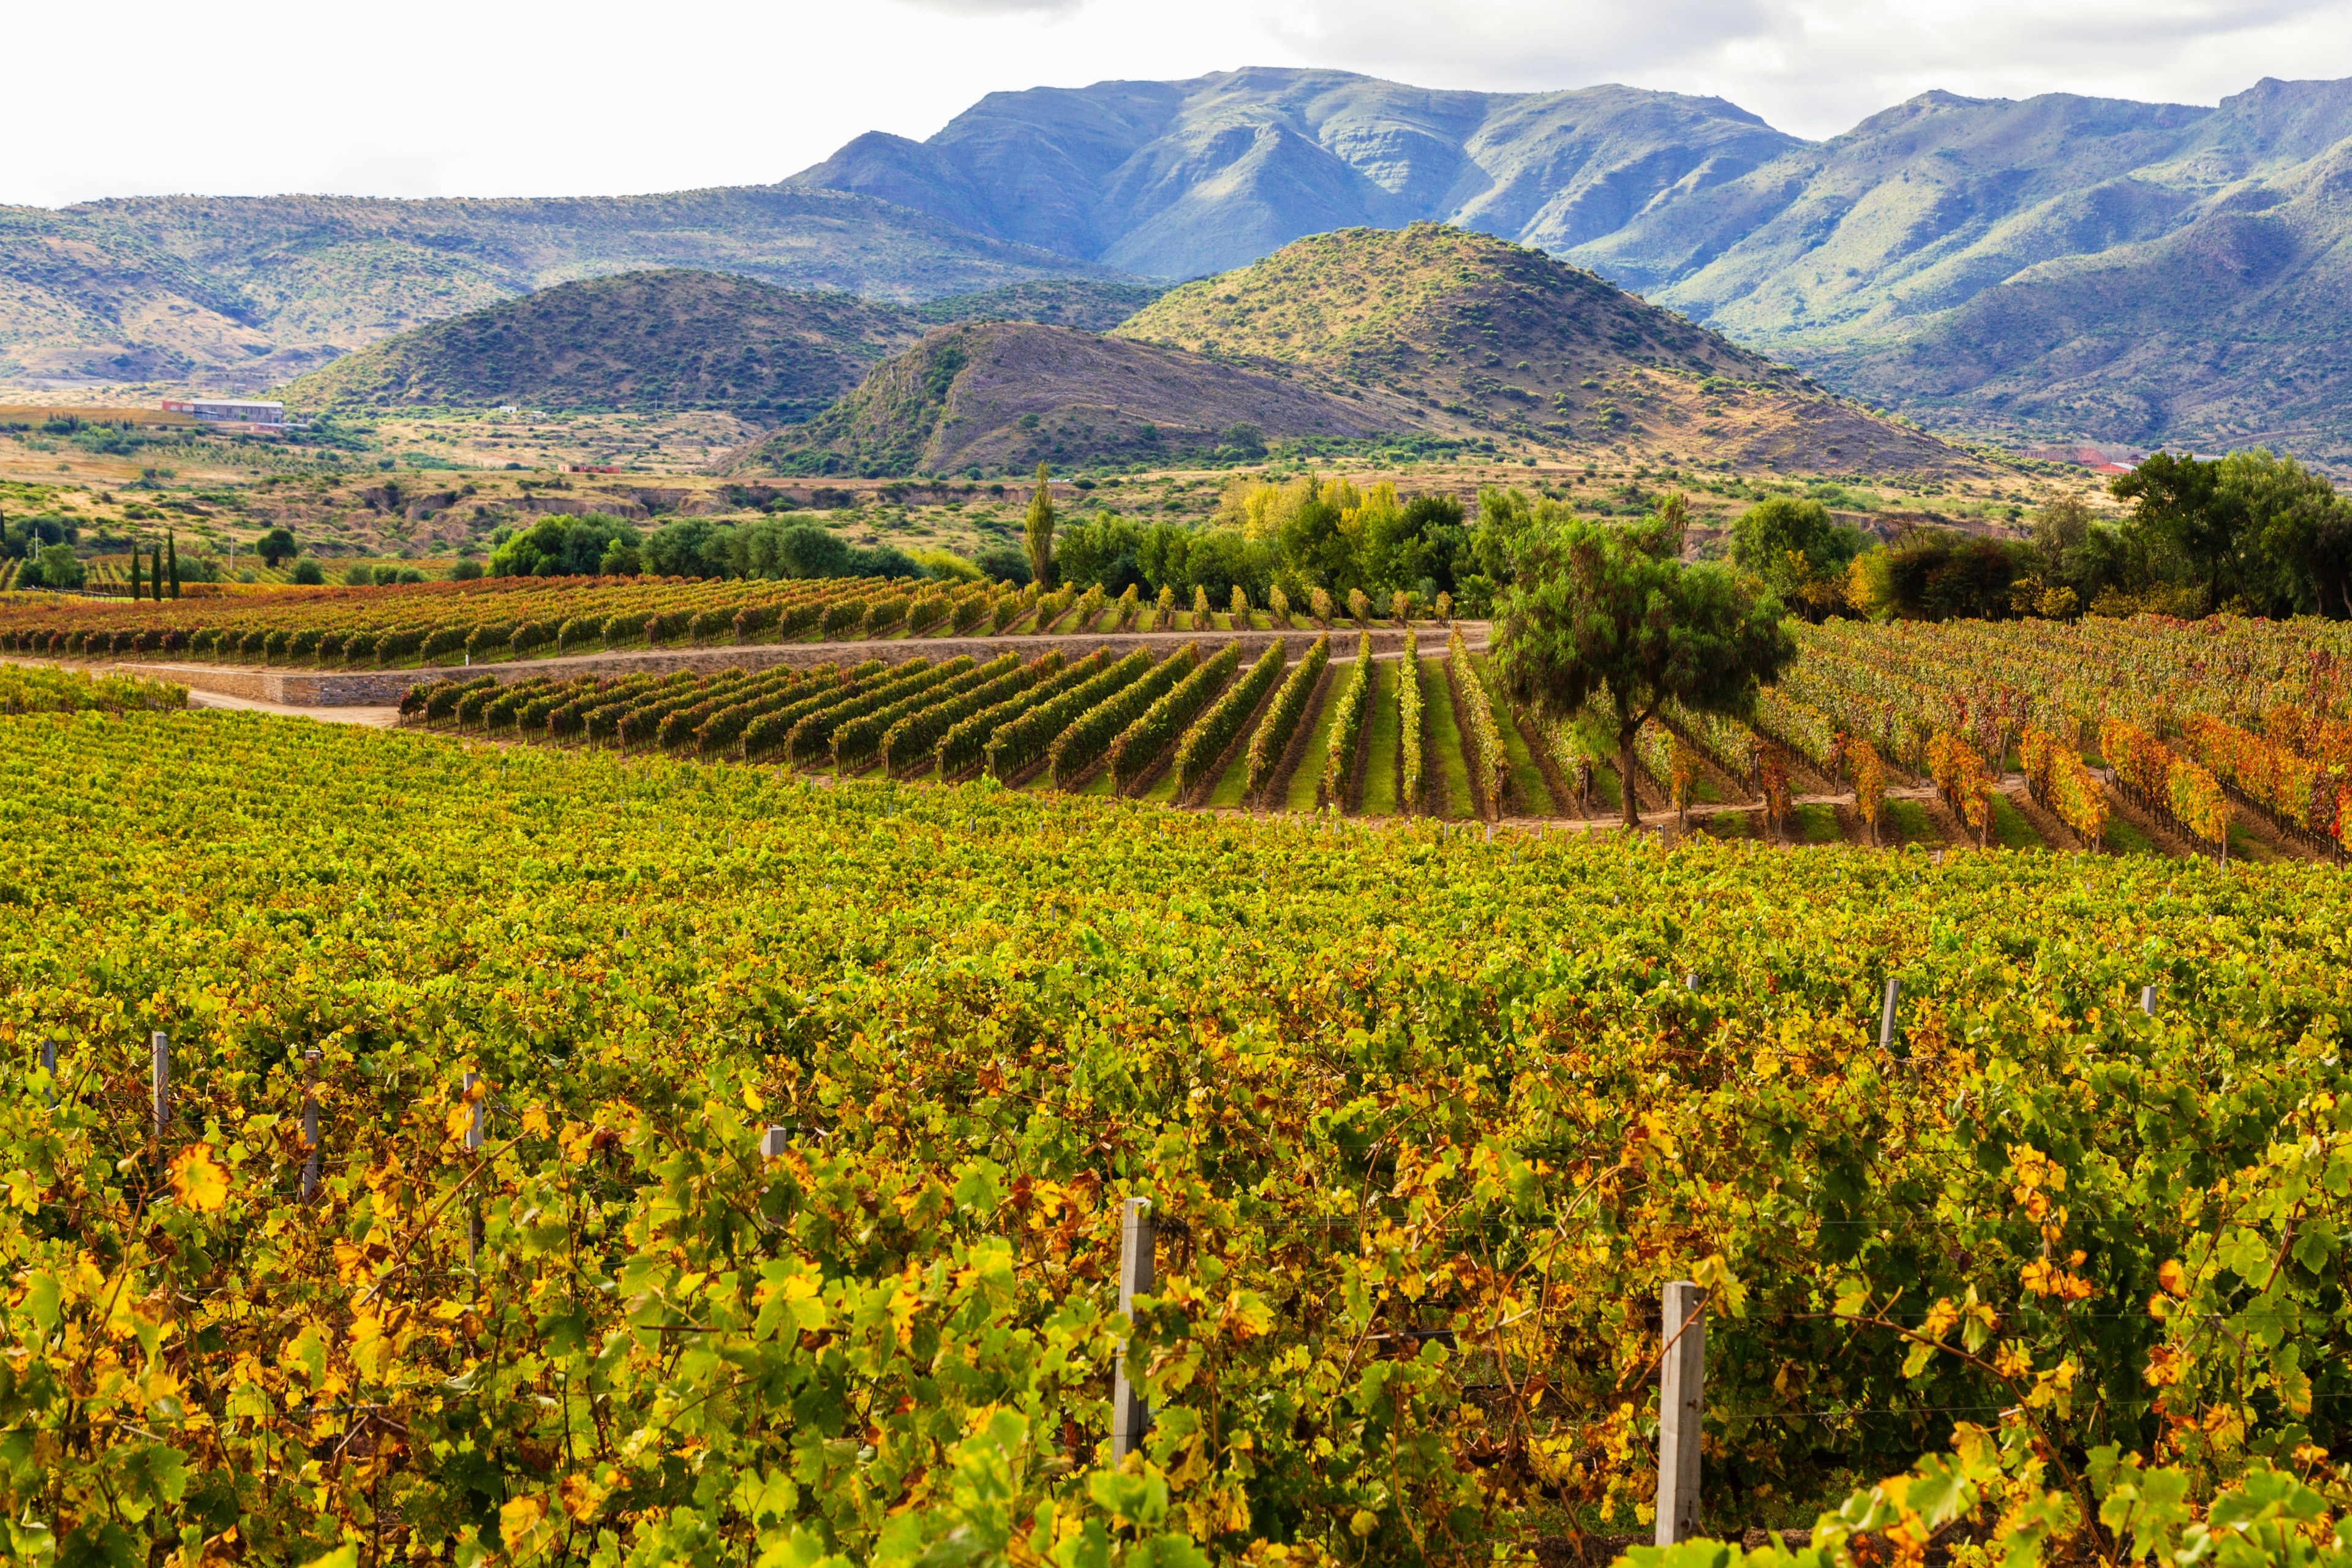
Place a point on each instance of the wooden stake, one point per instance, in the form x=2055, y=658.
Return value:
x=1128, y=1414
x=1682, y=1370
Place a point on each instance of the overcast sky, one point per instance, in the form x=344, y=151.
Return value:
x=490, y=98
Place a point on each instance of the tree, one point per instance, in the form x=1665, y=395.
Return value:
x=1003, y=563
x=60, y=567
x=134, y=573
x=307, y=572
x=1600, y=611
x=1798, y=550
x=275, y=545
x=1038, y=530
x=2060, y=531
x=171, y=562
x=2174, y=499
x=2294, y=539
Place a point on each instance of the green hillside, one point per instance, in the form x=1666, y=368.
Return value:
x=667, y=340
x=1471, y=332
x=2058, y=266
x=998, y=394
x=1090, y=304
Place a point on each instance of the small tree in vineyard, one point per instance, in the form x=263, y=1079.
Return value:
x=1608, y=613
x=1038, y=530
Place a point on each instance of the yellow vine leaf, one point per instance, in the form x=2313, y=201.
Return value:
x=196, y=1182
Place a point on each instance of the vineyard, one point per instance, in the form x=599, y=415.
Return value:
x=495, y=619
x=31, y=688
x=2219, y=739
x=419, y=1151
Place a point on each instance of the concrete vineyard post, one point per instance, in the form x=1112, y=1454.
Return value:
x=1886, y=1015
x=1682, y=1370
x=1129, y=1416
x=309, y=1125
x=49, y=1065
x=772, y=1142
x=160, y=1045
x=2147, y=1000
x=475, y=1121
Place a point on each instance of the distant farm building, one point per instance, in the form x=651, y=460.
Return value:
x=2098, y=459
x=227, y=410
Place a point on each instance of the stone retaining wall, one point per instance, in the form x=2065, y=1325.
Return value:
x=383, y=687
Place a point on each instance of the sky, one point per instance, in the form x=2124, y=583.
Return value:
x=493, y=98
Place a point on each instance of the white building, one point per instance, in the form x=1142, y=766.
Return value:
x=227, y=410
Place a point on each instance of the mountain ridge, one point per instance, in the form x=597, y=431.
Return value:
x=240, y=293
x=1981, y=263
x=1389, y=336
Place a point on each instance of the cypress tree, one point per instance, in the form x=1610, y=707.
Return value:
x=1038, y=530
x=134, y=573
x=171, y=559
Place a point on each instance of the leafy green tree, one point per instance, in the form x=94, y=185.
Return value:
x=1939, y=575
x=567, y=546
x=307, y=572
x=275, y=545
x=1798, y=550
x=2061, y=530
x=1038, y=530
x=1609, y=613
x=61, y=568
x=2177, y=502
x=2293, y=536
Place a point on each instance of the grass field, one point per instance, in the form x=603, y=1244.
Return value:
x=1301, y=794
x=1449, y=780
x=2011, y=831
x=1380, y=742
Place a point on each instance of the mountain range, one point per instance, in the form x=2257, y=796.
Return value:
x=239, y=293
x=2061, y=265
x=2054, y=266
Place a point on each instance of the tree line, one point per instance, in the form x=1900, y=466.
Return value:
x=2252, y=533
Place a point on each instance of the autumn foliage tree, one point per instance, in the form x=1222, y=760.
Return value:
x=1608, y=613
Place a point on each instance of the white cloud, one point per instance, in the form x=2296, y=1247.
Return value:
x=493, y=97
x=1816, y=66
x=1001, y=7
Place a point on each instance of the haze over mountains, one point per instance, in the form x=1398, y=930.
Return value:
x=2056, y=267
